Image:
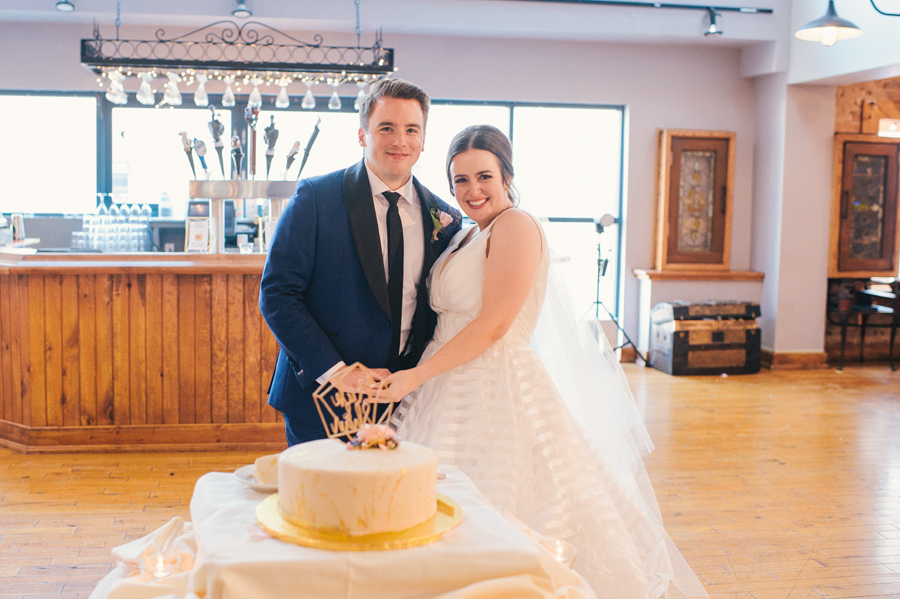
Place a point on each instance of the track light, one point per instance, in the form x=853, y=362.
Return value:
x=241, y=12
x=828, y=29
x=713, y=29
x=65, y=6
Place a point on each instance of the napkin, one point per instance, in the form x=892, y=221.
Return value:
x=128, y=581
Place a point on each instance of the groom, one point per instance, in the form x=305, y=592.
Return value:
x=344, y=280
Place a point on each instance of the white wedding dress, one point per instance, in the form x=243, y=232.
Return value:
x=500, y=419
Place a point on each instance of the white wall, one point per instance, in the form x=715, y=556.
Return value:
x=669, y=86
x=806, y=209
x=768, y=178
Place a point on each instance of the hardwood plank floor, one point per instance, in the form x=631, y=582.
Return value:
x=781, y=485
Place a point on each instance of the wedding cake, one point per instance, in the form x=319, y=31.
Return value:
x=326, y=485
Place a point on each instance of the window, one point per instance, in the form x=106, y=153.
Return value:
x=148, y=158
x=445, y=121
x=568, y=161
x=336, y=145
x=49, y=154
x=568, y=165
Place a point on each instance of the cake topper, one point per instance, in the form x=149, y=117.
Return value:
x=346, y=411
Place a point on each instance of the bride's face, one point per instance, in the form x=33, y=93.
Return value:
x=478, y=185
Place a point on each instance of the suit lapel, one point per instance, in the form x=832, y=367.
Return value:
x=364, y=227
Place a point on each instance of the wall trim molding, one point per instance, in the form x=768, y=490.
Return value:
x=261, y=436
x=793, y=360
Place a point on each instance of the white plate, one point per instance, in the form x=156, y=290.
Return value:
x=246, y=476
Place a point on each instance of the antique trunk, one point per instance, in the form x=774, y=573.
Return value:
x=705, y=338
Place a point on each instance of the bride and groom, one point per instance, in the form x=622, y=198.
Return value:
x=331, y=293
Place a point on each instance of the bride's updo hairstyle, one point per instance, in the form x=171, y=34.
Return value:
x=489, y=139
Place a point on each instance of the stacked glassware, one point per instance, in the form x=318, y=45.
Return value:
x=119, y=228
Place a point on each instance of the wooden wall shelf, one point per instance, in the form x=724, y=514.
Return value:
x=698, y=275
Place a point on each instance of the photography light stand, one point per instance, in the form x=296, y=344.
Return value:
x=605, y=221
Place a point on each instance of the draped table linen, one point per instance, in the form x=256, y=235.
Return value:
x=225, y=555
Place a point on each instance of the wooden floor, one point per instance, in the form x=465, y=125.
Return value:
x=782, y=485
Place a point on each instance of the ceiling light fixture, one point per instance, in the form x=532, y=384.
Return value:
x=236, y=55
x=713, y=29
x=65, y=6
x=828, y=29
x=242, y=12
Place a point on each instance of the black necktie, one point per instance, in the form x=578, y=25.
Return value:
x=395, y=270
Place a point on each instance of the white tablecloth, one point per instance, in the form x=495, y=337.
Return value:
x=226, y=556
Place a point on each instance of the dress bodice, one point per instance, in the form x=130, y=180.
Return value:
x=456, y=282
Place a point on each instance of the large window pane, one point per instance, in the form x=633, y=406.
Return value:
x=336, y=146
x=148, y=156
x=48, y=154
x=568, y=163
x=445, y=121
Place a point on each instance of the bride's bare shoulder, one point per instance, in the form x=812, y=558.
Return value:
x=517, y=223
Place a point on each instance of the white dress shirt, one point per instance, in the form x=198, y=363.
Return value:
x=413, y=248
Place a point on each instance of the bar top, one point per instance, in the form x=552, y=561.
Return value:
x=14, y=262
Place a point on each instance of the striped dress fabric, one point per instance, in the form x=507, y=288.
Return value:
x=500, y=420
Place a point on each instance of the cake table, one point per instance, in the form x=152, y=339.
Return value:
x=223, y=554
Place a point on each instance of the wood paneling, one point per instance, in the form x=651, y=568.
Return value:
x=85, y=350
x=859, y=106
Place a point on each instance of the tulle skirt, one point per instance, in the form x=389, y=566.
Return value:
x=500, y=419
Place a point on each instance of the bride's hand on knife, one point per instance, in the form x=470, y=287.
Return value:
x=398, y=385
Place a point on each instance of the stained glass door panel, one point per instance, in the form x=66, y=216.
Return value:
x=868, y=207
x=697, y=198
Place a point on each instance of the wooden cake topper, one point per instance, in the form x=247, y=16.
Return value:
x=344, y=410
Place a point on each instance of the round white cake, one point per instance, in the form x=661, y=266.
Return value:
x=324, y=485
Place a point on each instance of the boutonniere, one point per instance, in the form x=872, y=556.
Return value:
x=440, y=220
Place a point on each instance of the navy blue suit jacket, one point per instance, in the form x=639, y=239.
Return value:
x=324, y=292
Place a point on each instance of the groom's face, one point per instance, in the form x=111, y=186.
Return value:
x=393, y=140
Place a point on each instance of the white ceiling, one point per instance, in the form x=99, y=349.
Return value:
x=482, y=18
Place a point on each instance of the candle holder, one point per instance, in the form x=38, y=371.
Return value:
x=565, y=553
x=158, y=565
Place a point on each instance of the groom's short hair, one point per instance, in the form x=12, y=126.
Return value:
x=392, y=88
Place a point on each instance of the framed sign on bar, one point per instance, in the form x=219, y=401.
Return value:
x=695, y=171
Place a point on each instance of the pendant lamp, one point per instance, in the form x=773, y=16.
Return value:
x=828, y=29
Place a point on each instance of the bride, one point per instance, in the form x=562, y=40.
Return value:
x=569, y=468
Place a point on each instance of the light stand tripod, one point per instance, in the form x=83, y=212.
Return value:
x=605, y=221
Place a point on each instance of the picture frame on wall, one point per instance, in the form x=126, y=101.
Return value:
x=694, y=183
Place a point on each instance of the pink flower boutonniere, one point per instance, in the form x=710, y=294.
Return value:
x=440, y=220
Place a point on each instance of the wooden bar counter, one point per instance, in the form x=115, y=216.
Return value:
x=134, y=352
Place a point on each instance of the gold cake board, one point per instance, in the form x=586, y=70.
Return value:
x=269, y=517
